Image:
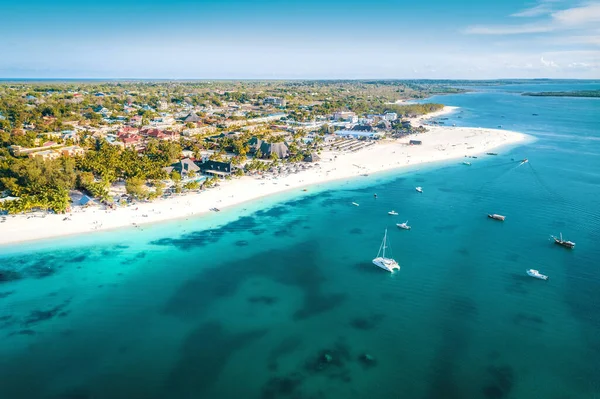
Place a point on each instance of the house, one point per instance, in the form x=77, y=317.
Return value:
x=216, y=168
x=347, y=116
x=185, y=166
x=279, y=149
x=415, y=142
x=44, y=155
x=130, y=140
x=276, y=101
x=72, y=151
x=192, y=118
x=384, y=124
x=136, y=120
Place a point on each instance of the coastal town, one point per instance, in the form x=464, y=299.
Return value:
x=122, y=147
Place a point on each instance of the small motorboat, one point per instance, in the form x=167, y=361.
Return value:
x=355, y=204
x=495, y=216
x=467, y=163
x=419, y=189
x=393, y=213
x=404, y=225
x=536, y=274
x=374, y=195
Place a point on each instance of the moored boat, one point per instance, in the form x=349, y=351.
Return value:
x=563, y=243
x=404, y=225
x=495, y=216
x=467, y=163
x=536, y=274
x=393, y=213
x=419, y=189
x=381, y=261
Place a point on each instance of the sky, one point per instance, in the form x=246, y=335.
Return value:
x=291, y=39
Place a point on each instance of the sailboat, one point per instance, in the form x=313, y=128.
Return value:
x=388, y=264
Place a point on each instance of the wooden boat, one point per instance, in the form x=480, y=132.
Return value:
x=495, y=216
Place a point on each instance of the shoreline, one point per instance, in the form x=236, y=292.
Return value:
x=439, y=144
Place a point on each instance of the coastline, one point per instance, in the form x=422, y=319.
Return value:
x=439, y=144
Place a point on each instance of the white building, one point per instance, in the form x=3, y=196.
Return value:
x=347, y=116
x=390, y=116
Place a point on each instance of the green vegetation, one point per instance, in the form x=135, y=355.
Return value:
x=86, y=114
x=582, y=93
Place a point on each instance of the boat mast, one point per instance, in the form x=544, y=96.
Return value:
x=384, y=242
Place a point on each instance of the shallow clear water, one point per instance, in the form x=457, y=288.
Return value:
x=245, y=303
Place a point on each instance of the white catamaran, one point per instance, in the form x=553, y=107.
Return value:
x=388, y=264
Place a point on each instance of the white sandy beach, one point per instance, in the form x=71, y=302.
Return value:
x=440, y=143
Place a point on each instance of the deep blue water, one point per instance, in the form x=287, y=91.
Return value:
x=246, y=303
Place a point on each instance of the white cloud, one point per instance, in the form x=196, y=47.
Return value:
x=508, y=29
x=550, y=64
x=579, y=65
x=581, y=17
x=540, y=9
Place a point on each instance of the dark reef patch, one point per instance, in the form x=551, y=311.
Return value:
x=77, y=259
x=366, y=323
x=278, y=387
x=284, y=232
x=463, y=251
x=274, y=212
x=356, y=231
x=204, y=353
x=22, y=332
x=39, y=270
x=266, y=300
x=331, y=362
x=246, y=223
x=6, y=293
x=195, y=239
x=512, y=257
x=37, y=316
x=295, y=266
x=502, y=382
x=258, y=232
x=9, y=275
x=241, y=243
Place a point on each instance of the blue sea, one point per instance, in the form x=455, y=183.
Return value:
x=278, y=298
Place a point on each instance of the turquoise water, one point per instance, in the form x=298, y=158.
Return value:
x=246, y=303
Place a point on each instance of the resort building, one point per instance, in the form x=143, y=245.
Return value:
x=72, y=151
x=44, y=155
x=281, y=150
x=216, y=168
